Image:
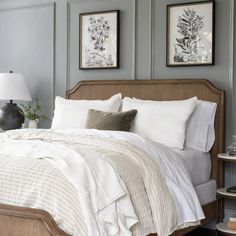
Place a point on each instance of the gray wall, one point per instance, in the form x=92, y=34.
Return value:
x=39, y=38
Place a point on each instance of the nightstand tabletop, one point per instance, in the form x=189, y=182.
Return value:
x=222, y=227
x=226, y=157
x=222, y=192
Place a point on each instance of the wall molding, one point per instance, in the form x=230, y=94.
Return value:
x=68, y=46
x=134, y=11
x=231, y=81
x=134, y=15
x=85, y=1
x=152, y=40
x=231, y=64
x=54, y=56
x=27, y=7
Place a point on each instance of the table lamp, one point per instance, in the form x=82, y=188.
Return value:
x=12, y=87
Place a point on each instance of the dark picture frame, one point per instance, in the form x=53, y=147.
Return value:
x=190, y=34
x=99, y=40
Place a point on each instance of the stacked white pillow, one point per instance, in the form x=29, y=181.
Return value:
x=162, y=121
x=175, y=124
x=69, y=114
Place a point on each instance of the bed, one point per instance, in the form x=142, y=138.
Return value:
x=16, y=220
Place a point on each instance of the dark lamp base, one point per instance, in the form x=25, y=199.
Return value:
x=11, y=117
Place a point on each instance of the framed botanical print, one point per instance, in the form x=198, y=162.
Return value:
x=190, y=34
x=99, y=40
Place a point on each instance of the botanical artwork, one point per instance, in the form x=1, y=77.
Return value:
x=98, y=40
x=190, y=34
x=189, y=26
x=98, y=30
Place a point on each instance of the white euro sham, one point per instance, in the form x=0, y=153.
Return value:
x=162, y=121
x=69, y=114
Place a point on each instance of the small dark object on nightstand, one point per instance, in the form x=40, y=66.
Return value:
x=231, y=189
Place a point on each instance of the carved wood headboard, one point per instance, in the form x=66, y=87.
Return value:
x=168, y=89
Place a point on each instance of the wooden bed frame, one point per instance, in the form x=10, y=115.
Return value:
x=20, y=221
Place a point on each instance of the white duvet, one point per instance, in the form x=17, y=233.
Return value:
x=177, y=177
x=104, y=199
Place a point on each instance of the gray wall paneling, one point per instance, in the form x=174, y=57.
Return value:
x=218, y=74
x=144, y=38
x=230, y=170
x=127, y=40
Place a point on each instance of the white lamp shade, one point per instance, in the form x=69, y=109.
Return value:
x=13, y=87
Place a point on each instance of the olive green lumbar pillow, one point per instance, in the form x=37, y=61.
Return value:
x=120, y=121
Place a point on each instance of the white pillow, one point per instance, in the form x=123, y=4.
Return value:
x=200, y=132
x=69, y=114
x=161, y=121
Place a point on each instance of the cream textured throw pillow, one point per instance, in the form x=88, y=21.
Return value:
x=162, y=121
x=69, y=114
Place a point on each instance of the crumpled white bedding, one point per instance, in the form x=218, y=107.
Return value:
x=110, y=199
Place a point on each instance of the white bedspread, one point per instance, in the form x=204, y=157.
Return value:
x=104, y=198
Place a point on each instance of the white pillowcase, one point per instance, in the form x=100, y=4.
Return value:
x=200, y=132
x=69, y=114
x=162, y=121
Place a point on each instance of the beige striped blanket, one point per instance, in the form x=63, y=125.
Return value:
x=39, y=183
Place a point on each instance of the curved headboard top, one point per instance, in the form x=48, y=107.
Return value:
x=161, y=89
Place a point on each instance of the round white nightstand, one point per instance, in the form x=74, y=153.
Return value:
x=226, y=157
x=222, y=194
x=222, y=228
